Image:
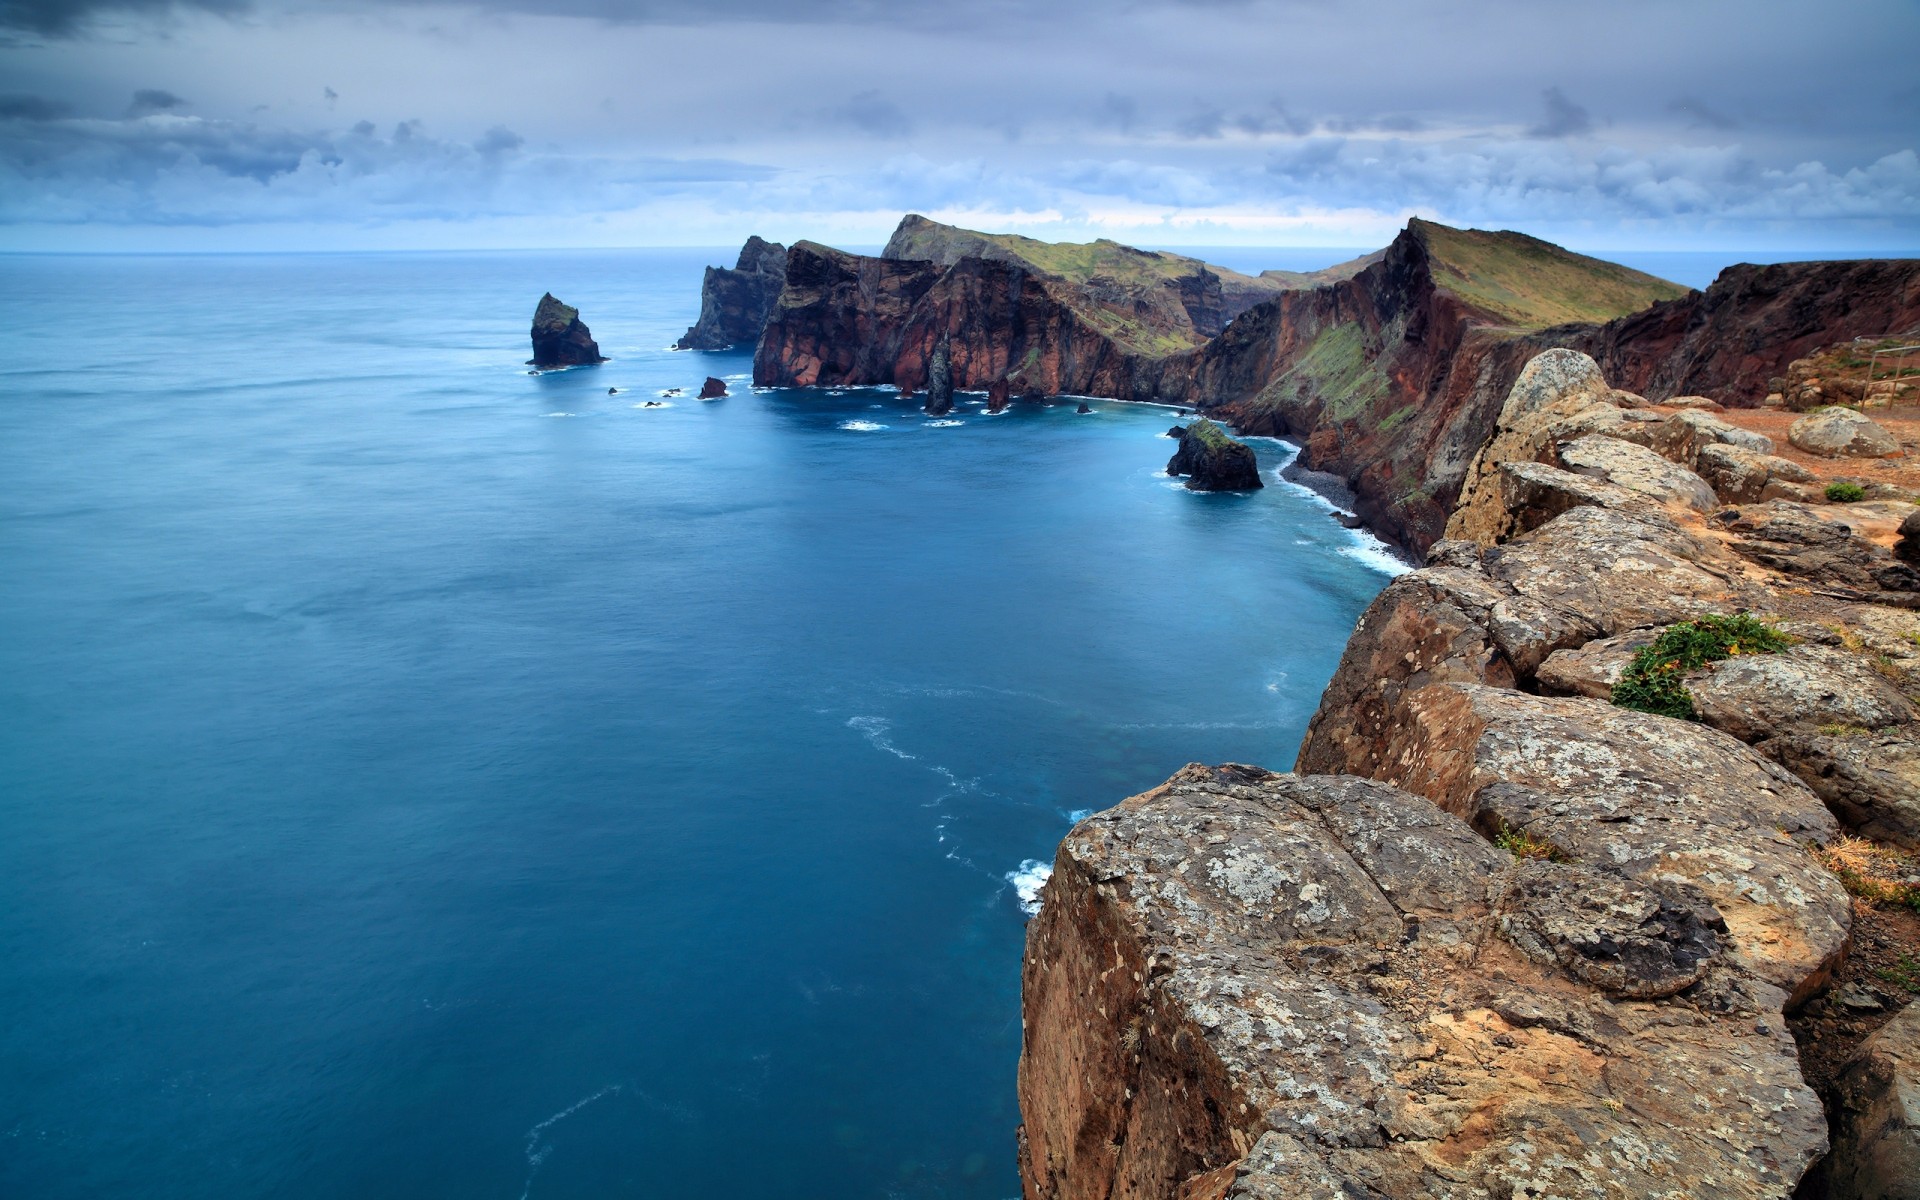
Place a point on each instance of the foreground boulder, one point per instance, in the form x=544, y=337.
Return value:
x=1245, y=984
x=1212, y=461
x=1842, y=433
x=560, y=339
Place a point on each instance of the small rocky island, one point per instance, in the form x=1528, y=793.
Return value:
x=560, y=339
x=1212, y=461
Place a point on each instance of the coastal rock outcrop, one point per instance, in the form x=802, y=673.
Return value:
x=1212, y=461
x=712, y=389
x=940, y=380
x=1842, y=433
x=734, y=303
x=560, y=339
x=1243, y=984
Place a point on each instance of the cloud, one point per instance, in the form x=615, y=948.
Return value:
x=153, y=100
x=1700, y=115
x=67, y=18
x=1564, y=117
x=873, y=114
x=32, y=108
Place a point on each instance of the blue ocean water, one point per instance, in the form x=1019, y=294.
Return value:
x=420, y=778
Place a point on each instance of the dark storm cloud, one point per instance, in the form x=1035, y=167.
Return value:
x=64, y=18
x=1701, y=115
x=1564, y=117
x=152, y=100
x=872, y=114
x=32, y=108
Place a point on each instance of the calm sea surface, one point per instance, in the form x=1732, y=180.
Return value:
x=419, y=778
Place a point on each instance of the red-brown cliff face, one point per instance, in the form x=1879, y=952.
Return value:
x=1729, y=340
x=1391, y=378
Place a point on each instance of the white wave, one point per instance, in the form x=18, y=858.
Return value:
x=1373, y=552
x=537, y=1152
x=1079, y=814
x=1027, y=880
x=941, y=424
x=1363, y=547
x=874, y=729
x=736, y=378
x=560, y=414
x=861, y=426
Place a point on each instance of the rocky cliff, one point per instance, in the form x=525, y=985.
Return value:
x=1505, y=933
x=734, y=303
x=1390, y=371
x=559, y=337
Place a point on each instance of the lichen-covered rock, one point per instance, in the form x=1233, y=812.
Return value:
x=1876, y=1132
x=1591, y=669
x=1637, y=469
x=1552, y=388
x=1643, y=797
x=1684, y=435
x=1756, y=696
x=1212, y=461
x=560, y=339
x=1739, y=475
x=1533, y=493
x=1842, y=433
x=1249, y=985
x=1801, y=540
x=1869, y=777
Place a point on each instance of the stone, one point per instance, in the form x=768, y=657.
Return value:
x=1552, y=387
x=560, y=339
x=1696, y=402
x=1637, y=469
x=1869, y=778
x=999, y=394
x=1739, y=475
x=1531, y=494
x=1243, y=984
x=1591, y=669
x=1804, y=541
x=1907, y=548
x=1212, y=461
x=1801, y=688
x=1876, y=1128
x=1682, y=436
x=1084, y=408
x=1842, y=433
x=1642, y=797
x=712, y=389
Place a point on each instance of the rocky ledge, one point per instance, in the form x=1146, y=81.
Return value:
x=1501, y=934
x=1212, y=461
x=560, y=339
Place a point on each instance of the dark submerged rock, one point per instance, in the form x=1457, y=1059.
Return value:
x=1212, y=461
x=559, y=337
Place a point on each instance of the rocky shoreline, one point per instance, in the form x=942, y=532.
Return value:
x=1497, y=935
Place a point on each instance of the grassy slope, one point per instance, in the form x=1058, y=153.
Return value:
x=1524, y=283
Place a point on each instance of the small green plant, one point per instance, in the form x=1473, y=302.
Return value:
x=1524, y=845
x=1845, y=493
x=1845, y=731
x=1905, y=973
x=1653, y=681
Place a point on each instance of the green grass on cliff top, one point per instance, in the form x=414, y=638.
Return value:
x=1525, y=283
x=1079, y=262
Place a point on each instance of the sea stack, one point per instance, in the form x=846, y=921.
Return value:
x=999, y=394
x=1212, y=461
x=940, y=380
x=559, y=337
x=713, y=388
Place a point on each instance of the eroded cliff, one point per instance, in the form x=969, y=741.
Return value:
x=1500, y=935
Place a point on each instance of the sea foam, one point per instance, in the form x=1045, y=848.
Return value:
x=1027, y=880
x=861, y=426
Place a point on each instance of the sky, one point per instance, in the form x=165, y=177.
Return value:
x=283, y=124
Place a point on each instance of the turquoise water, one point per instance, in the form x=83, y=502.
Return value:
x=423, y=778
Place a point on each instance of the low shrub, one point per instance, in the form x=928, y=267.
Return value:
x=1524, y=845
x=1871, y=871
x=1845, y=493
x=1653, y=681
